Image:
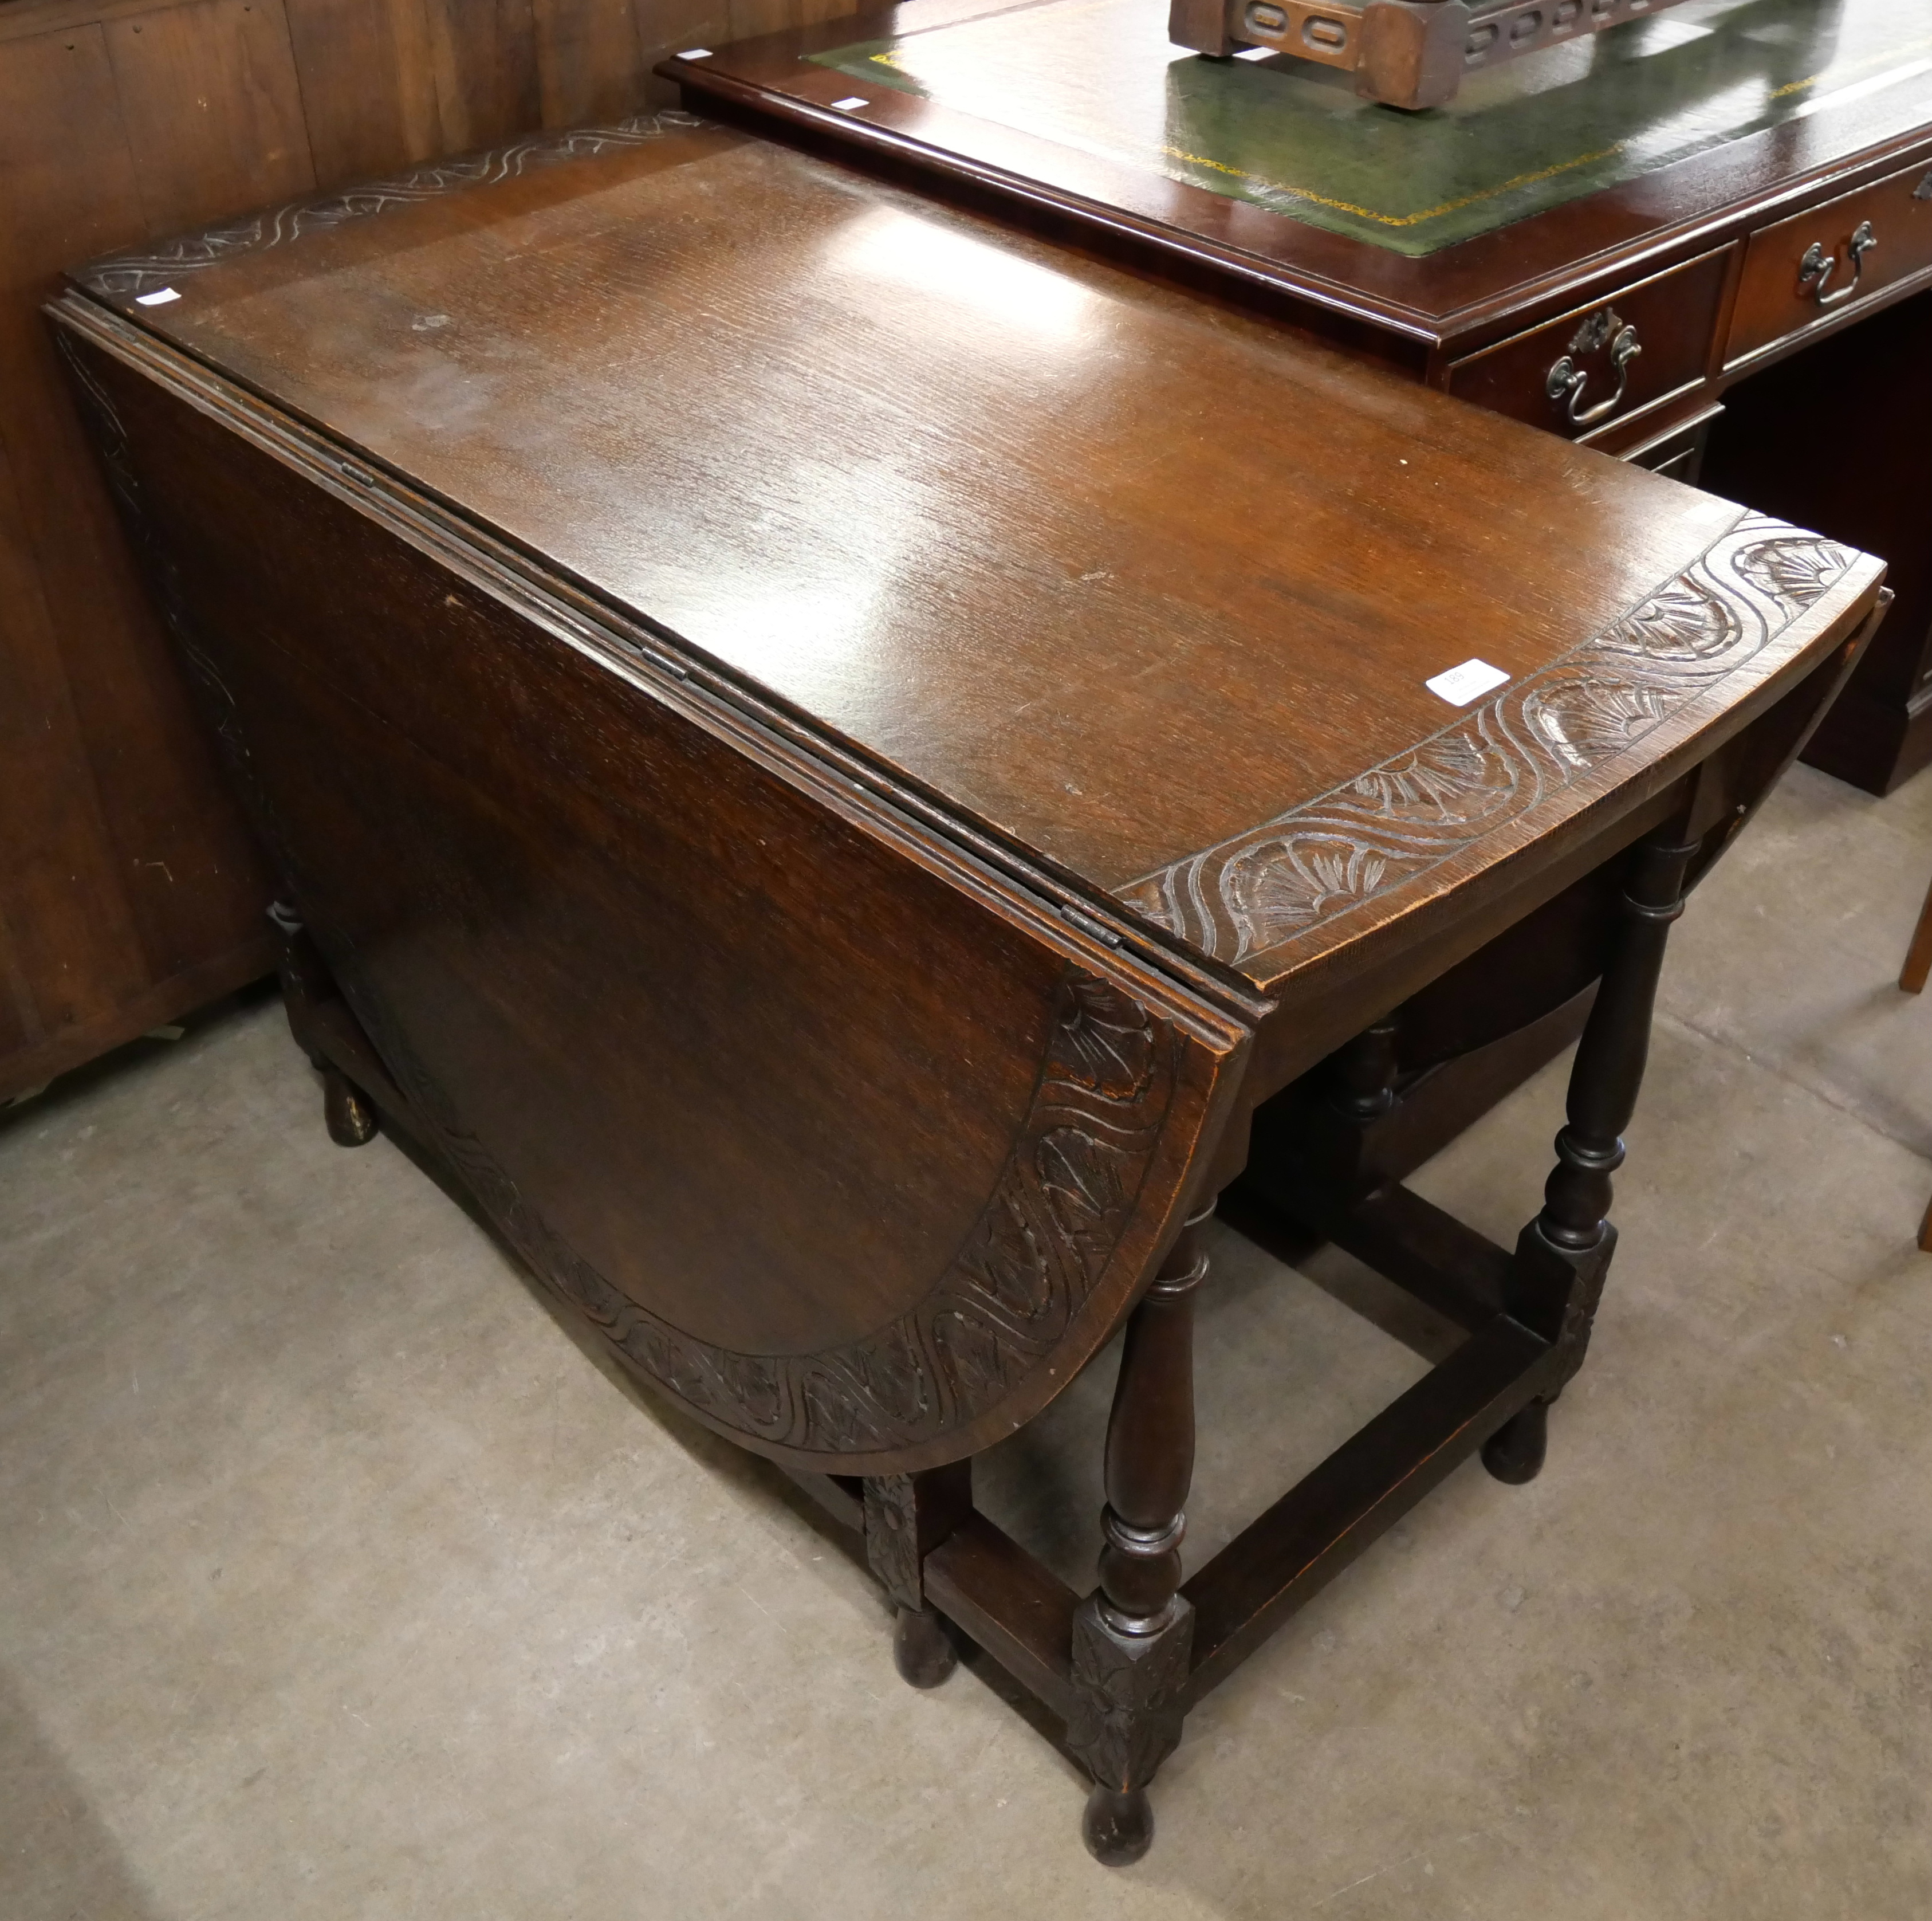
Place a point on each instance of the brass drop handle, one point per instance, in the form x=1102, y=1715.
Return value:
x=1565, y=381
x=1814, y=270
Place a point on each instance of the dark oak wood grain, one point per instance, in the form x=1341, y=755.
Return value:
x=789, y=794
x=922, y=1335
x=1700, y=261
x=248, y=143
x=129, y=891
x=1102, y=543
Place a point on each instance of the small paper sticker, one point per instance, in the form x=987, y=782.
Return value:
x=160, y=299
x=1256, y=53
x=695, y=53
x=848, y=104
x=1459, y=685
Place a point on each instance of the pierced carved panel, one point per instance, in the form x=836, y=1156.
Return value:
x=1393, y=824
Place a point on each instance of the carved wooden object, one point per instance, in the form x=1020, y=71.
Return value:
x=906, y=1516
x=1132, y=1635
x=1406, y=53
x=797, y=808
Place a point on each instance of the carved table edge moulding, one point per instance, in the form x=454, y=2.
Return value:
x=128, y=276
x=1250, y=900
x=922, y=1390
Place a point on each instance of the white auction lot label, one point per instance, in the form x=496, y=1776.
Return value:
x=1459, y=685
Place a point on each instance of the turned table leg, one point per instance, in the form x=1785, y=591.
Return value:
x=906, y=1516
x=1364, y=1073
x=347, y=1112
x=1561, y=1257
x=350, y=1119
x=1516, y=1451
x=1132, y=1636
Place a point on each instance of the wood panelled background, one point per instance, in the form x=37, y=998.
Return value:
x=129, y=892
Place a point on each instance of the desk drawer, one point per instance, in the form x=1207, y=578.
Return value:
x=1807, y=268
x=1600, y=363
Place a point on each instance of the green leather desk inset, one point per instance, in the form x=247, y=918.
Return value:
x=1101, y=76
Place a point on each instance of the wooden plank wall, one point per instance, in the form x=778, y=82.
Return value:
x=129, y=892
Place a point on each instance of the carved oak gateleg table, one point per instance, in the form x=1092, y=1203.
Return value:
x=805, y=781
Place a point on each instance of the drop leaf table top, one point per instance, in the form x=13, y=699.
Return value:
x=1121, y=585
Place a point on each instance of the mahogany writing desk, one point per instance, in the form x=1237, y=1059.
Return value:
x=1686, y=237
x=802, y=783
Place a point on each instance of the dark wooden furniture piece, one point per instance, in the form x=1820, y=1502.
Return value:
x=1690, y=243
x=787, y=791
x=1912, y=976
x=129, y=890
x=1407, y=53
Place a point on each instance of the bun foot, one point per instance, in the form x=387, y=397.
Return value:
x=351, y=1121
x=1514, y=1452
x=1117, y=1828
x=923, y=1651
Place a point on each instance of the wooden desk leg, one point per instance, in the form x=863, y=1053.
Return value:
x=1919, y=956
x=1556, y=1277
x=1133, y=1636
x=907, y=1517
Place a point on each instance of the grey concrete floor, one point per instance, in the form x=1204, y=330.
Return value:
x=340, y=1582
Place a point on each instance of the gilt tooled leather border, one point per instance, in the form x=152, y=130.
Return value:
x=1274, y=884
x=128, y=275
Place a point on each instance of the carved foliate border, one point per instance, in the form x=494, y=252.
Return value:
x=211, y=694
x=892, y=1536
x=1277, y=882
x=128, y=275
x=1069, y=1190
x=1066, y=1195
